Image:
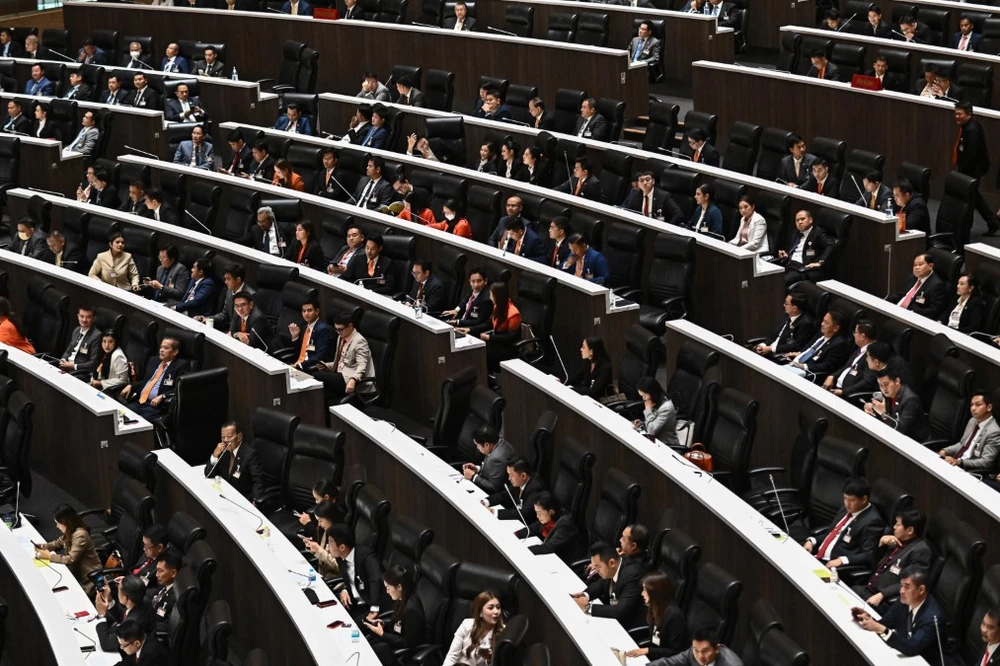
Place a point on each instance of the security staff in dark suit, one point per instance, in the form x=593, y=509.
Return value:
x=793, y=333
x=810, y=248
x=924, y=292
x=854, y=532
x=619, y=588
x=913, y=624
x=855, y=376
x=699, y=150
x=139, y=647
x=147, y=397
x=237, y=462
x=248, y=324
x=427, y=287
x=900, y=406
x=828, y=351
x=167, y=564
x=556, y=529
x=971, y=157
x=266, y=235
x=313, y=341
x=796, y=167
x=583, y=183
x=30, y=240
x=373, y=190
x=591, y=124
x=83, y=352
x=523, y=488
x=650, y=201
x=475, y=307
x=905, y=547
x=374, y=271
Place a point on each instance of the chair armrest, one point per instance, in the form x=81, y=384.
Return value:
x=115, y=571
x=983, y=337
x=93, y=512
x=110, y=532
x=437, y=449
x=854, y=574
x=948, y=239
x=286, y=355
x=424, y=653
x=629, y=294
x=753, y=342
x=259, y=81
x=936, y=445
x=675, y=307
x=765, y=470
x=620, y=406
x=282, y=88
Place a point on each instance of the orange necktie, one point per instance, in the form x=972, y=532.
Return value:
x=243, y=325
x=371, y=268
x=822, y=72
x=147, y=389
x=697, y=154
x=579, y=267
x=819, y=187
x=954, y=151
x=579, y=184
x=305, y=344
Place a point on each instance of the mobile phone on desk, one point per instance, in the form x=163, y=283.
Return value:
x=61, y=588
x=88, y=648
x=327, y=604
x=337, y=624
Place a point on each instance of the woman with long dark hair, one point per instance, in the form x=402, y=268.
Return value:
x=305, y=250
x=112, y=373
x=473, y=642
x=505, y=332
x=594, y=374
x=667, y=626
x=11, y=329
x=407, y=626
x=659, y=414
x=74, y=547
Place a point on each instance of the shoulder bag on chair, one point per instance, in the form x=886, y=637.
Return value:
x=699, y=457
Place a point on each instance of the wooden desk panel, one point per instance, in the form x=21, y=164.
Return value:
x=23, y=621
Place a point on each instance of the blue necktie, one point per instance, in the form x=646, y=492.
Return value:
x=809, y=353
x=367, y=138
x=638, y=50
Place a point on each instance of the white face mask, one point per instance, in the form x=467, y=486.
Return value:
x=135, y=54
x=449, y=216
x=23, y=236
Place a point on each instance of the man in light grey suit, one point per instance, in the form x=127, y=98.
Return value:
x=197, y=152
x=705, y=649
x=645, y=46
x=980, y=443
x=491, y=473
x=86, y=140
x=372, y=89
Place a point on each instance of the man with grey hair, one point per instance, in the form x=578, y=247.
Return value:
x=86, y=140
x=267, y=235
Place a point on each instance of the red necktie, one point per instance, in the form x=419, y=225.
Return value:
x=645, y=206
x=986, y=657
x=822, y=72
x=468, y=306
x=905, y=303
x=968, y=442
x=834, y=533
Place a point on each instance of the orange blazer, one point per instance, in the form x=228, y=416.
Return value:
x=9, y=335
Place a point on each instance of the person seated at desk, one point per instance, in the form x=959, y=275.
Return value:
x=427, y=288
x=352, y=369
x=752, y=234
x=330, y=184
x=324, y=491
x=415, y=208
x=593, y=374
x=368, y=127
x=976, y=451
x=249, y=325
x=912, y=209
x=876, y=27
x=650, y=201
x=557, y=247
x=796, y=166
x=155, y=542
x=135, y=204
x=989, y=628
x=493, y=107
x=539, y=118
x=305, y=250
x=726, y=13
x=17, y=122
x=490, y=473
x=454, y=221
x=406, y=628
x=621, y=600
x=130, y=604
x=9, y=48
x=352, y=250
x=504, y=330
x=42, y=128
x=60, y=252
x=475, y=639
x=514, y=207
x=33, y=49
x=854, y=531
x=261, y=165
x=487, y=160
x=911, y=30
x=266, y=235
x=372, y=89
x=510, y=164
x=293, y=121
x=375, y=272
x=83, y=352
x=521, y=240
x=535, y=169
x=524, y=488
x=115, y=266
x=135, y=58
x=905, y=547
x=10, y=328
x=707, y=218
x=913, y=624
x=326, y=517
x=139, y=647
x=828, y=352
x=38, y=85
x=924, y=293
x=112, y=371
x=173, y=61
x=699, y=150
x=408, y=95
x=965, y=39
x=147, y=396
x=472, y=315
x=314, y=343
x=421, y=146
x=854, y=376
x=926, y=85
x=374, y=191
x=297, y=8
x=237, y=462
x=172, y=278
x=795, y=330
x=633, y=545
x=358, y=579
x=584, y=261
x=706, y=649
x=644, y=47
x=167, y=565
x=210, y=65
x=159, y=209
x=967, y=315
x=944, y=89
x=591, y=124
x=583, y=183
x=183, y=108
x=461, y=21
x=810, y=249
x=889, y=80
x=197, y=152
x=667, y=625
x=102, y=193
x=199, y=298
x=822, y=182
x=876, y=195
x=898, y=406
x=29, y=240
x=352, y=12
x=557, y=530
x=831, y=21
x=86, y=139
x=73, y=547
x=142, y=97
x=659, y=416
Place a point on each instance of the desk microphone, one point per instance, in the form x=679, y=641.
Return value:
x=490, y=28
x=344, y=189
x=897, y=32
x=569, y=172
x=675, y=153
x=189, y=214
x=514, y=122
x=359, y=281
x=141, y=152
x=937, y=633
x=93, y=643
x=260, y=526
x=555, y=348
x=950, y=99
x=142, y=64
x=425, y=25
x=781, y=180
x=212, y=471
x=847, y=22
x=254, y=331
x=527, y=530
x=63, y=57
x=854, y=179
x=277, y=11
x=38, y=189
x=58, y=573
x=780, y=509
x=17, y=507
x=291, y=571
x=14, y=131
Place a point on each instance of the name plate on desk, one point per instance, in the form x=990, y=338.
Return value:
x=866, y=82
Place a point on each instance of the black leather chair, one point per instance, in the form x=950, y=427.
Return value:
x=729, y=436
x=616, y=176
x=483, y=211
x=572, y=479
x=670, y=282
x=216, y=628
x=272, y=439
x=743, y=148
x=778, y=649
x=834, y=151
x=716, y=601
x=542, y=444
x=483, y=407
x=624, y=252
x=54, y=326
x=727, y=197
x=241, y=213
x=562, y=27
x=987, y=598
x=15, y=454
x=10, y=161
x=185, y=618
x=661, y=128
x=381, y=330
x=919, y=177
x=761, y=619
x=183, y=531
x=614, y=111
x=567, y=109
x=200, y=558
x=836, y=461
x=289, y=69
x=676, y=554
x=369, y=518
x=519, y=20
x=977, y=82
x=434, y=591
x=144, y=246
x=940, y=348
x=408, y=539
x=688, y=386
x=956, y=570
x=536, y=299
x=507, y=648
x=392, y=11
x=200, y=407
x=643, y=350
x=791, y=50
x=517, y=99
x=592, y=29
x=949, y=408
x=122, y=528
x=439, y=89
x=447, y=186
x=292, y=296
x=955, y=212
x=617, y=506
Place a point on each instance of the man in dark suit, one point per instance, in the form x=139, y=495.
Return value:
x=266, y=235
x=524, y=488
x=166, y=566
x=854, y=532
x=821, y=181
x=889, y=80
x=8, y=47
x=591, y=124
x=913, y=624
x=173, y=61
x=237, y=462
x=171, y=280
x=90, y=54
x=135, y=202
x=352, y=12
x=140, y=648
x=945, y=89
x=911, y=30
x=373, y=190
x=619, y=588
x=147, y=397
x=461, y=21
x=965, y=39
x=971, y=157
x=911, y=207
x=827, y=352
x=557, y=246
x=330, y=183
x=875, y=26
x=475, y=308
x=706, y=648
x=240, y=157
x=358, y=583
x=83, y=352
x=261, y=165
x=808, y=252
x=136, y=59
x=17, y=122
x=29, y=240
x=313, y=340
x=103, y=193
x=493, y=107
x=699, y=150
x=293, y=121
x=496, y=452
x=855, y=376
x=351, y=251
x=650, y=201
x=62, y=253
x=370, y=130
x=876, y=195
x=521, y=240
x=297, y=8
x=160, y=210
x=427, y=288
x=539, y=118
x=583, y=183
x=644, y=47
x=408, y=95
x=183, y=108
x=794, y=332
x=115, y=95
x=513, y=206
x=796, y=167
x=38, y=84
x=210, y=65
x=724, y=12
x=989, y=627
x=143, y=97
x=903, y=549
x=821, y=67
x=78, y=90
x=900, y=406
x=374, y=271
x=199, y=298
x=924, y=292
x=248, y=324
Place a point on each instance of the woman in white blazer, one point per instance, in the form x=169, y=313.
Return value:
x=752, y=234
x=474, y=640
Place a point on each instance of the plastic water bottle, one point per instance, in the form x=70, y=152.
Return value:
x=312, y=576
x=235, y=77
x=418, y=309
x=888, y=208
x=355, y=635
